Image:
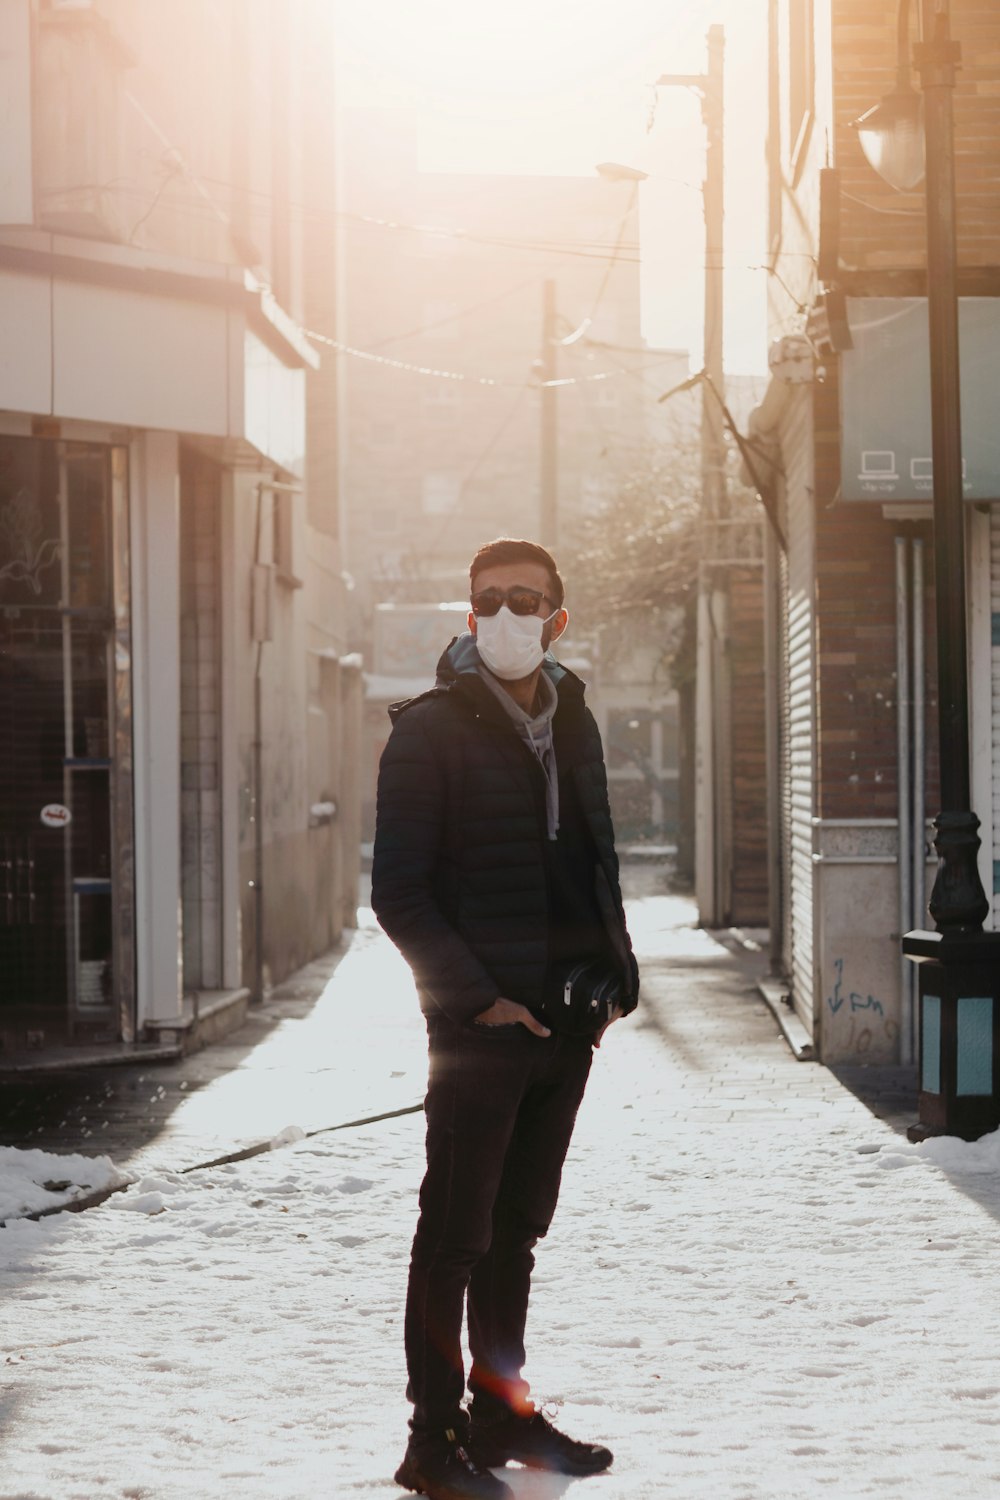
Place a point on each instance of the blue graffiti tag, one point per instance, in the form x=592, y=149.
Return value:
x=838, y=999
x=868, y=1004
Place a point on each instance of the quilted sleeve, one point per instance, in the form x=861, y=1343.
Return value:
x=409, y=831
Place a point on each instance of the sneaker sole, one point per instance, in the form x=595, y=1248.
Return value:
x=536, y=1461
x=408, y=1477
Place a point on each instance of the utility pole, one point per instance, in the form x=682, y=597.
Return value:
x=548, y=504
x=713, y=449
x=712, y=742
x=713, y=644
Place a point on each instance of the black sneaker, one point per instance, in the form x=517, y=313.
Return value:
x=441, y=1469
x=532, y=1440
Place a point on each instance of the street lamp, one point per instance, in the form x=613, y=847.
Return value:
x=959, y=962
x=892, y=133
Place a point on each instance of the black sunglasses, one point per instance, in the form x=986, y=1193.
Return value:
x=519, y=600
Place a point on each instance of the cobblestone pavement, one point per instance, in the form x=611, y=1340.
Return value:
x=342, y=1040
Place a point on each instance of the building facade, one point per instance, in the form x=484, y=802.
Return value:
x=177, y=709
x=851, y=589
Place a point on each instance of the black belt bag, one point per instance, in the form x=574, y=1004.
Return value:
x=581, y=997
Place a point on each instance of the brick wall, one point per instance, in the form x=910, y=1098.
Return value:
x=890, y=232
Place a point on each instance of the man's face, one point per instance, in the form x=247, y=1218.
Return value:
x=530, y=575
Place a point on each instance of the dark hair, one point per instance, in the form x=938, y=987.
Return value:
x=507, y=549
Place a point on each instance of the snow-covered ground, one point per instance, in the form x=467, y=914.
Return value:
x=769, y=1301
x=34, y=1182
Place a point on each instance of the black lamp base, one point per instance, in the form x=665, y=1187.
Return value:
x=959, y=1033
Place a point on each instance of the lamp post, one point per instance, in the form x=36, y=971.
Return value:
x=959, y=962
x=892, y=133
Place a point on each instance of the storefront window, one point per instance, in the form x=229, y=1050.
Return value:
x=57, y=743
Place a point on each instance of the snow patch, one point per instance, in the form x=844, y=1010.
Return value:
x=31, y=1181
x=141, y=1203
x=954, y=1155
x=948, y=1152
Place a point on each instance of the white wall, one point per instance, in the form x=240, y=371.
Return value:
x=155, y=524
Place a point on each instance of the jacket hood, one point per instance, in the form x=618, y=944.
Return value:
x=458, y=671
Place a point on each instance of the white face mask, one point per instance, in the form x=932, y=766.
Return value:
x=511, y=645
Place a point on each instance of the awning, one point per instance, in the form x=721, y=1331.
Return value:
x=112, y=335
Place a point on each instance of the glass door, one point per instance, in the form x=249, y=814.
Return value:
x=60, y=742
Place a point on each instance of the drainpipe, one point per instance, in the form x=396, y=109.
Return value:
x=705, y=808
x=262, y=631
x=772, y=725
x=904, y=793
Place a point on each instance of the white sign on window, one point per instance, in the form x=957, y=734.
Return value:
x=885, y=400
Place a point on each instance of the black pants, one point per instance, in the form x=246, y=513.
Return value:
x=501, y=1105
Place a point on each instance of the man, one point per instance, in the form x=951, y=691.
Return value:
x=494, y=866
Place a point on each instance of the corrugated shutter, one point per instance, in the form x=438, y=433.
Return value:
x=800, y=689
x=748, y=733
x=784, y=761
x=995, y=615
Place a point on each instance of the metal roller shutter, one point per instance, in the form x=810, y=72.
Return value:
x=784, y=761
x=800, y=708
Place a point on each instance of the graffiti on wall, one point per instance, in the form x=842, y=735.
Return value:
x=864, y=1013
x=857, y=1002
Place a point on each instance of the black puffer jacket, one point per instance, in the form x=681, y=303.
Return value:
x=459, y=877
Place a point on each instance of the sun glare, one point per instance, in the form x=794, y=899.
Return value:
x=554, y=87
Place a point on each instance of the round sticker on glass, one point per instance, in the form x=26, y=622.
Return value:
x=54, y=815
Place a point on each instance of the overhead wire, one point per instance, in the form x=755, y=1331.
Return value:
x=614, y=444
x=471, y=473
x=882, y=208
x=462, y=312
x=199, y=206
x=580, y=249
x=429, y=371
x=613, y=261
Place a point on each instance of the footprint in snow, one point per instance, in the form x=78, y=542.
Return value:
x=354, y=1185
